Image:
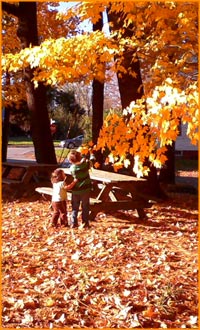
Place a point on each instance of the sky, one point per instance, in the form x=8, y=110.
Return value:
x=67, y=4
x=87, y=25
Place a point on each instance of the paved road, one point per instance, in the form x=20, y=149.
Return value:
x=20, y=153
x=25, y=154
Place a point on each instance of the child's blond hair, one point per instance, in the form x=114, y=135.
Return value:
x=74, y=156
x=57, y=175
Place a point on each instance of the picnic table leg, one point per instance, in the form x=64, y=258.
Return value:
x=104, y=193
x=94, y=210
x=141, y=213
x=92, y=216
x=140, y=210
x=93, y=213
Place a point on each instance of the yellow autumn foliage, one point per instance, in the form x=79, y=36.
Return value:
x=149, y=132
x=159, y=34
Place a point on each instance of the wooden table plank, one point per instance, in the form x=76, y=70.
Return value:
x=31, y=170
x=104, y=176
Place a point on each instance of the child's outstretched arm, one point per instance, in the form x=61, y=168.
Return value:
x=71, y=185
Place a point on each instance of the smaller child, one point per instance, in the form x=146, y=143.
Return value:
x=59, y=197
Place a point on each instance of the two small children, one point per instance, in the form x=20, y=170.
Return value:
x=80, y=186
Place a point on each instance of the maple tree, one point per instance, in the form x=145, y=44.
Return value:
x=164, y=39
x=47, y=27
x=131, y=88
x=169, y=60
x=25, y=32
x=11, y=93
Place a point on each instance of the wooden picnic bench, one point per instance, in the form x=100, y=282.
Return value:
x=20, y=173
x=112, y=192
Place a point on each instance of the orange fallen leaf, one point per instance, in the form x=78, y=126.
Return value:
x=49, y=302
x=150, y=312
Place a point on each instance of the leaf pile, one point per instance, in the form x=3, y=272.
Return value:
x=120, y=273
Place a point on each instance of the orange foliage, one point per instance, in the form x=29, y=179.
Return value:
x=164, y=38
x=48, y=26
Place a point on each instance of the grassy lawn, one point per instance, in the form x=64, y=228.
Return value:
x=20, y=141
x=61, y=154
x=25, y=141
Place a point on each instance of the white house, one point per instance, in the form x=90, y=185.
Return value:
x=184, y=147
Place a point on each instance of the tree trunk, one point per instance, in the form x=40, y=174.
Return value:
x=36, y=98
x=5, y=133
x=97, y=104
x=130, y=88
x=40, y=123
x=167, y=173
x=5, y=126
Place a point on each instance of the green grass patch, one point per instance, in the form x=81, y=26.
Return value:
x=20, y=141
x=61, y=154
x=26, y=141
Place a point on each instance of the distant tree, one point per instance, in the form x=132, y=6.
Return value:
x=67, y=113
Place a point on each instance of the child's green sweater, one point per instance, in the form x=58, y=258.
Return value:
x=80, y=171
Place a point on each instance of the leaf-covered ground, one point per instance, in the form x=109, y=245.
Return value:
x=120, y=273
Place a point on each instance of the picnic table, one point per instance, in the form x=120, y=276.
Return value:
x=112, y=192
x=20, y=173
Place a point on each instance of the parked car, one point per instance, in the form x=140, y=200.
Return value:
x=72, y=143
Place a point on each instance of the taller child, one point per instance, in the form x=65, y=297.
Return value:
x=81, y=191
